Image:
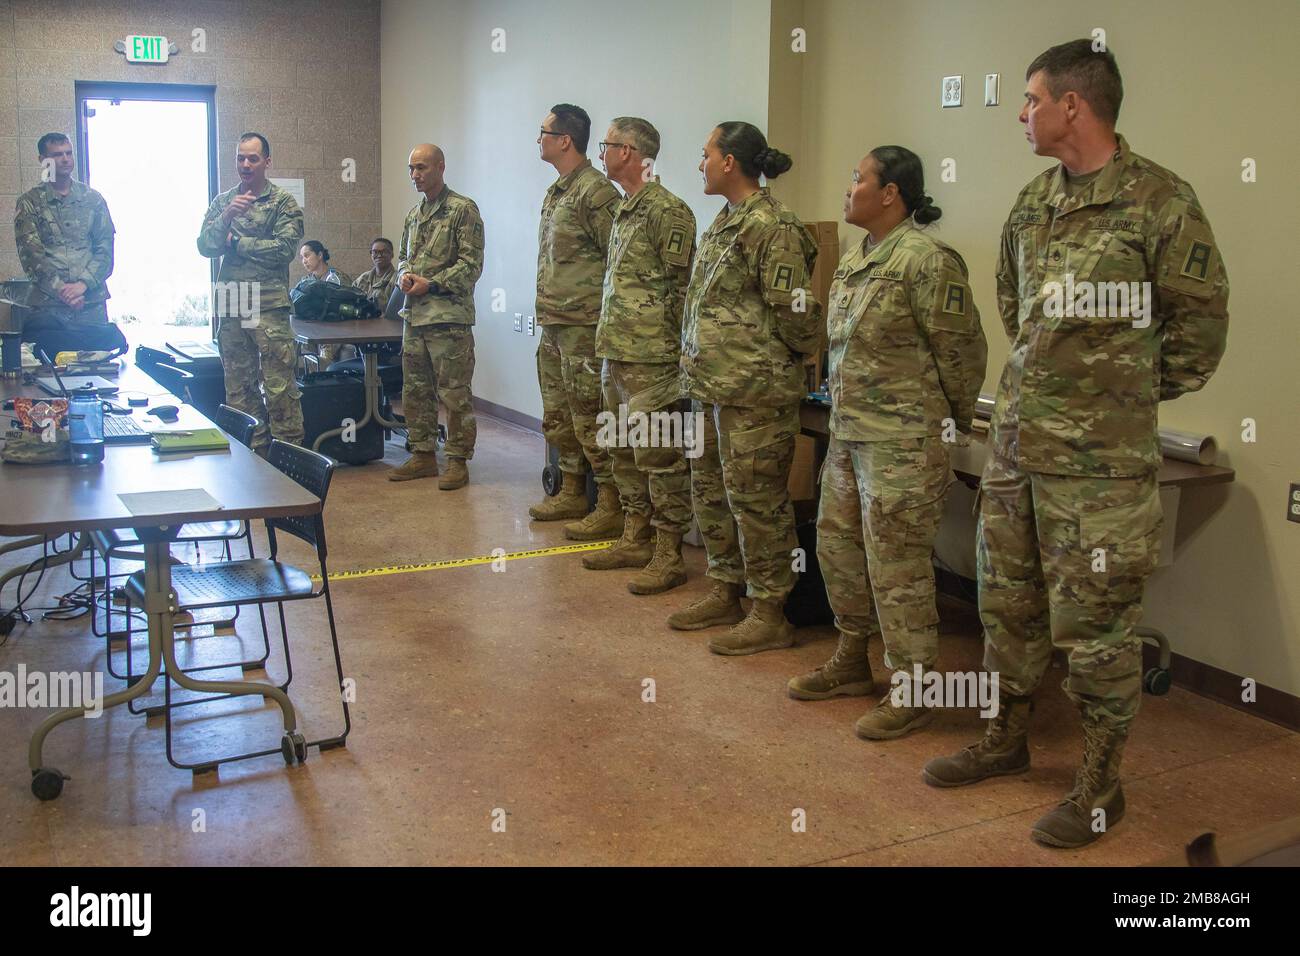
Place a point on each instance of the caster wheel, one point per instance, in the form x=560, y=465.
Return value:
x=293, y=747
x=552, y=478
x=47, y=784
x=1156, y=681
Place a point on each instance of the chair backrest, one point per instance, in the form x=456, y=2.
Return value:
x=313, y=471
x=175, y=380
x=238, y=425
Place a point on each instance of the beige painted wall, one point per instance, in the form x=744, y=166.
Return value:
x=1201, y=86
x=302, y=72
x=682, y=64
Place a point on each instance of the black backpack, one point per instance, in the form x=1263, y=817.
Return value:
x=53, y=336
x=315, y=300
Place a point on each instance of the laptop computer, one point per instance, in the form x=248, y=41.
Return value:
x=118, y=429
x=73, y=384
x=396, y=303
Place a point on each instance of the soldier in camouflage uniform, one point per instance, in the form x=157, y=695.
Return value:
x=64, y=236
x=639, y=338
x=377, y=283
x=440, y=260
x=577, y=216
x=907, y=358
x=749, y=322
x=1069, y=526
x=255, y=229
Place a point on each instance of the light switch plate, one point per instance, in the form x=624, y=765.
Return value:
x=990, y=89
x=532, y=325
x=519, y=321
x=951, y=93
x=1293, y=505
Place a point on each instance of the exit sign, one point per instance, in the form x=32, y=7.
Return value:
x=146, y=49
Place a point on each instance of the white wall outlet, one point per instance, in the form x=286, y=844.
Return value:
x=951, y=95
x=532, y=325
x=519, y=321
x=990, y=89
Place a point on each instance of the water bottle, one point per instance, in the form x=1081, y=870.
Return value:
x=86, y=429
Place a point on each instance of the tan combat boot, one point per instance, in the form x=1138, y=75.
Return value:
x=666, y=569
x=1097, y=801
x=719, y=606
x=846, y=674
x=570, y=503
x=894, y=716
x=765, y=629
x=605, y=521
x=1004, y=749
x=456, y=477
x=630, y=551
x=421, y=464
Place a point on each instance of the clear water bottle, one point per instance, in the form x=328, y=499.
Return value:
x=86, y=429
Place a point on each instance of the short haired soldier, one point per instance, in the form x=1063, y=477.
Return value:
x=64, y=236
x=750, y=319
x=573, y=236
x=639, y=339
x=1069, y=526
x=377, y=283
x=907, y=358
x=255, y=229
x=440, y=260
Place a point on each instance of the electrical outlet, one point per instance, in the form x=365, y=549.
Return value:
x=519, y=321
x=990, y=89
x=951, y=94
x=532, y=325
x=1293, y=505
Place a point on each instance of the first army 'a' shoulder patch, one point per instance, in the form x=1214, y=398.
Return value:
x=677, y=244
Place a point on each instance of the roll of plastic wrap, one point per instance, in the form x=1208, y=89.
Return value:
x=1185, y=446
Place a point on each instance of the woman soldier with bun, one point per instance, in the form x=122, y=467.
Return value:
x=907, y=357
x=748, y=323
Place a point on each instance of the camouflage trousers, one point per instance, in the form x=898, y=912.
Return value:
x=654, y=482
x=880, y=507
x=1062, y=561
x=739, y=487
x=438, y=366
x=259, y=369
x=569, y=375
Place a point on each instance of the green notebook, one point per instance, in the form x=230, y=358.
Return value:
x=200, y=439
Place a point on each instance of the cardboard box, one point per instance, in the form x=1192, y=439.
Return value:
x=826, y=233
x=803, y=473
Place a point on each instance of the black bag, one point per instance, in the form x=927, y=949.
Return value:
x=328, y=398
x=206, y=391
x=315, y=300
x=807, y=604
x=53, y=336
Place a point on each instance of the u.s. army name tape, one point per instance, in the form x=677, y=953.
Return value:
x=465, y=562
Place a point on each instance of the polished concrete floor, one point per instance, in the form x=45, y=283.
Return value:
x=515, y=697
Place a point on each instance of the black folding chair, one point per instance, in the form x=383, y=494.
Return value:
x=262, y=581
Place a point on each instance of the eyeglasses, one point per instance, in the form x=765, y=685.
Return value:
x=605, y=146
x=551, y=132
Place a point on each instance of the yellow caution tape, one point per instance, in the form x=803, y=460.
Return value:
x=465, y=562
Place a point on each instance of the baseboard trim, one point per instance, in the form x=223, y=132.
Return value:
x=1273, y=705
x=507, y=415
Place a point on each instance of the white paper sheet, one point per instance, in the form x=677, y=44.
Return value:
x=185, y=500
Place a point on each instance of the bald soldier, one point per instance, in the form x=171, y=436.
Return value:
x=577, y=218
x=1069, y=526
x=440, y=259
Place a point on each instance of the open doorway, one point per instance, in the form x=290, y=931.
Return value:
x=150, y=149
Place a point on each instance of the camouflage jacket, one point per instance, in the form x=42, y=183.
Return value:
x=577, y=216
x=378, y=288
x=442, y=241
x=267, y=236
x=906, y=347
x=64, y=239
x=1115, y=299
x=744, y=334
x=649, y=265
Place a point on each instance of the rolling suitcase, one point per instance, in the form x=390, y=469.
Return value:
x=328, y=400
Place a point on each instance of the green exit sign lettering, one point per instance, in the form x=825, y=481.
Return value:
x=146, y=49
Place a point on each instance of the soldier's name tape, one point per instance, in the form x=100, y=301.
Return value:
x=465, y=562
